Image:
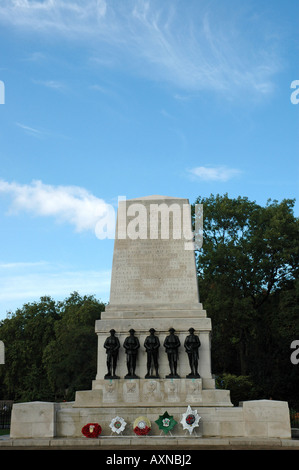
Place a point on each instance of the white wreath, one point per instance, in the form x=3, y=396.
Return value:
x=117, y=424
x=190, y=419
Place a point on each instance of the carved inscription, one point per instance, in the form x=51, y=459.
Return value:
x=152, y=271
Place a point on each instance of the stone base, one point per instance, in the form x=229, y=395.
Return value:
x=261, y=419
x=174, y=445
x=150, y=393
x=34, y=419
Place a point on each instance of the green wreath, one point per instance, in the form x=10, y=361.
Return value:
x=166, y=422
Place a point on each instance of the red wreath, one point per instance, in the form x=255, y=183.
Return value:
x=91, y=430
x=141, y=431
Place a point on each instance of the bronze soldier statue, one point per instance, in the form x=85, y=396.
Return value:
x=192, y=344
x=131, y=345
x=152, y=345
x=112, y=346
x=172, y=344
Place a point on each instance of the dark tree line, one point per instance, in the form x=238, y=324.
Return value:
x=248, y=283
x=50, y=349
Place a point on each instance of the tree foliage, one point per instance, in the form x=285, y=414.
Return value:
x=248, y=282
x=50, y=348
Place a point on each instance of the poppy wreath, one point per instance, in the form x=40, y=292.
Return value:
x=142, y=426
x=91, y=430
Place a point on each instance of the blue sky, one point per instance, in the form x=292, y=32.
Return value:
x=131, y=98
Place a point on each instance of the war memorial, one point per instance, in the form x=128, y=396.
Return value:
x=154, y=382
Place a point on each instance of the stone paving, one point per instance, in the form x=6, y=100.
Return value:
x=148, y=443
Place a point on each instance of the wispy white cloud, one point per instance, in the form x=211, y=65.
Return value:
x=39, y=133
x=63, y=16
x=54, y=84
x=30, y=130
x=21, y=264
x=70, y=204
x=216, y=173
x=35, y=57
x=194, y=45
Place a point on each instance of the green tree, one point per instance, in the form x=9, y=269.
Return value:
x=50, y=348
x=249, y=252
x=70, y=358
x=278, y=328
x=241, y=387
x=26, y=333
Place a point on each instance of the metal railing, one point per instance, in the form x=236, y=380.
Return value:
x=5, y=413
